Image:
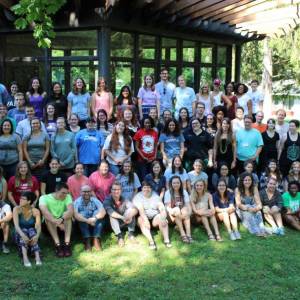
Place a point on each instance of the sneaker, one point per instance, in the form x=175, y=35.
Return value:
x=232, y=236
x=5, y=249
x=268, y=230
x=152, y=246
x=168, y=244
x=131, y=238
x=67, y=250
x=27, y=264
x=281, y=231
x=237, y=235
x=38, y=263
x=59, y=251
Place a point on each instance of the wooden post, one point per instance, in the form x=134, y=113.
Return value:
x=267, y=79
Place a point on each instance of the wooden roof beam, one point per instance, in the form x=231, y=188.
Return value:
x=256, y=8
x=223, y=6
x=183, y=4
x=142, y=3
x=288, y=11
x=161, y=4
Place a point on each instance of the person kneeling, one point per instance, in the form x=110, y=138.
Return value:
x=5, y=217
x=178, y=206
x=121, y=213
x=152, y=209
x=57, y=209
x=27, y=221
x=89, y=213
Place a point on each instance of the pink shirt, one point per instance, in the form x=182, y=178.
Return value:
x=101, y=102
x=101, y=185
x=74, y=183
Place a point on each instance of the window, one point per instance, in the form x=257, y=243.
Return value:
x=75, y=43
x=205, y=75
x=188, y=74
x=206, y=53
x=122, y=44
x=121, y=73
x=222, y=52
x=221, y=74
x=168, y=49
x=146, y=46
x=188, y=51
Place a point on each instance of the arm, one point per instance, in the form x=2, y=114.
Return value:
x=68, y=214
x=226, y=100
x=11, y=199
x=26, y=155
x=69, y=110
x=46, y=153
x=238, y=200
x=257, y=201
x=278, y=149
x=194, y=106
x=233, y=164
x=211, y=205
x=111, y=104
x=140, y=108
x=281, y=145
x=162, y=193
x=158, y=106
x=20, y=152
x=4, y=190
x=37, y=226
x=257, y=153
x=16, y=224
x=162, y=150
x=92, y=105
x=43, y=188
x=80, y=217
x=137, y=148
x=249, y=105
x=181, y=149
x=47, y=215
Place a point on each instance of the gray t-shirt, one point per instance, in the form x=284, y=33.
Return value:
x=36, y=146
x=150, y=205
x=194, y=177
x=128, y=188
x=9, y=153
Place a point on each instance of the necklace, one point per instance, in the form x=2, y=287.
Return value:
x=223, y=148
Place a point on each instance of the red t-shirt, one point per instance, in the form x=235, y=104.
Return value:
x=261, y=128
x=23, y=187
x=147, y=142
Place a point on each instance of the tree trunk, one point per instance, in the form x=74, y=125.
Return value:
x=267, y=79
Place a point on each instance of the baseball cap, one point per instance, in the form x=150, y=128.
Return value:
x=217, y=81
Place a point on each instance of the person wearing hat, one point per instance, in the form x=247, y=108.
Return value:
x=89, y=142
x=217, y=97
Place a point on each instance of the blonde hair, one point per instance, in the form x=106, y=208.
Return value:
x=195, y=197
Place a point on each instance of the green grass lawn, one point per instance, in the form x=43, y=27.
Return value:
x=253, y=268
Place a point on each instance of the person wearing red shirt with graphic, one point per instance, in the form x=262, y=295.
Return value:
x=146, y=141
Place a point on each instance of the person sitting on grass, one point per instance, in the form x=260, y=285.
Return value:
x=204, y=210
x=57, y=210
x=27, y=222
x=291, y=203
x=272, y=203
x=198, y=172
x=121, y=213
x=249, y=205
x=152, y=212
x=5, y=217
x=89, y=213
x=225, y=209
x=177, y=203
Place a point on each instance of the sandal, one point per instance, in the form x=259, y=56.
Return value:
x=185, y=239
x=218, y=238
x=152, y=246
x=190, y=239
x=211, y=237
x=168, y=244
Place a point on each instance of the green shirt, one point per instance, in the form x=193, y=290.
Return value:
x=292, y=203
x=55, y=206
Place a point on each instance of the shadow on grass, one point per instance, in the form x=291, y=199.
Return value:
x=249, y=269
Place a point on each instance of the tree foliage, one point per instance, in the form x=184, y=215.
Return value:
x=38, y=14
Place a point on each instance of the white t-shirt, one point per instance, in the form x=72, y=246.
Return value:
x=256, y=97
x=282, y=129
x=242, y=101
x=120, y=153
x=150, y=205
x=167, y=198
x=4, y=210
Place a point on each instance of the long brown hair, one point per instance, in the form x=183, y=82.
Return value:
x=18, y=175
x=75, y=90
x=114, y=142
x=106, y=89
x=219, y=133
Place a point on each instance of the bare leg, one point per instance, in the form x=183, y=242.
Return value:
x=25, y=256
x=278, y=219
x=214, y=223
x=163, y=227
x=68, y=230
x=225, y=218
x=53, y=232
x=145, y=230
x=270, y=219
x=37, y=256
x=206, y=225
x=233, y=221
x=186, y=216
x=179, y=224
x=292, y=221
x=5, y=229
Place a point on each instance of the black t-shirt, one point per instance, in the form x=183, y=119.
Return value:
x=52, y=179
x=198, y=145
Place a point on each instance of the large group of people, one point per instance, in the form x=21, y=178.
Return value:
x=168, y=157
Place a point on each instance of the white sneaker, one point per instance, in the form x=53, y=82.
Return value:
x=237, y=235
x=232, y=236
x=27, y=264
x=38, y=263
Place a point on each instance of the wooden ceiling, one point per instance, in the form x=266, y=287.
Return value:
x=252, y=17
x=238, y=18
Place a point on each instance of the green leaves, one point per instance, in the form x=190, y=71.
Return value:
x=38, y=15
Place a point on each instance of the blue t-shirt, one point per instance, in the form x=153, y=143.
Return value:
x=156, y=186
x=183, y=176
x=247, y=142
x=3, y=94
x=89, y=144
x=17, y=114
x=219, y=203
x=184, y=98
x=166, y=92
x=172, y=144
x=128, y=188
x=80, y=104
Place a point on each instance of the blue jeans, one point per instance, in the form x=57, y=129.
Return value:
x=89, y=169
x=88, y=231
x=115, y=169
